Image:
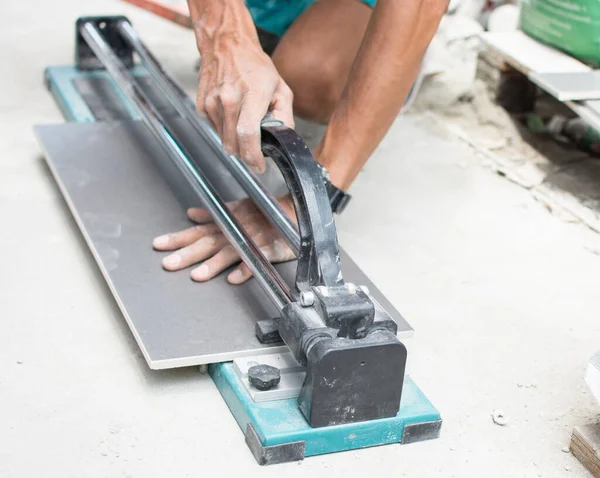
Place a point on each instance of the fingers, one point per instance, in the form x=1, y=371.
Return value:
x=236, y=118
x=175, y=240
x=226, y=257
x=201, y=97
x=218, y=255
x=199, y=215
x=222, y=108
x=205, y=242
x=230, y=99
x=239, y=275
x=254, y=107
x=276, y=251
x=282, y=104
x=202, y=216
x=194, y=253
x=213, y=113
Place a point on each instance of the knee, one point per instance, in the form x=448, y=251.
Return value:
x=317, y=84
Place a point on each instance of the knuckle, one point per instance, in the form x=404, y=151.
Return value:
x=246, y=132
x=204, y=230
x=212, y=228
x=228, y=96
x=276, y=251
x=211, y=108
x=287, y=93
x=255, y=225
x=208, y=241
x=246, y=210
x=226, y=102
x=230, y=148
x=210, y=101
x=228, y=251
x=273, y=252
x=281, y=251
x=237, y=207
x=252, y=229
x=261, y=238
x=210, y=98
x=229, y=144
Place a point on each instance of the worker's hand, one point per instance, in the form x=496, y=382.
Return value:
x=205, y=243
x=238, y=86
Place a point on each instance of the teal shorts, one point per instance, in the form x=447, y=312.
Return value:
x=276, y=16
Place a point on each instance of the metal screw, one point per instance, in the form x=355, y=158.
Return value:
x=264, y=377
x=307, y=298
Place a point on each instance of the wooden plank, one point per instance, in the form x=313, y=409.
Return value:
x=585, y=446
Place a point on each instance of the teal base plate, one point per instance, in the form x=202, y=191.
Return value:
x=279, y=423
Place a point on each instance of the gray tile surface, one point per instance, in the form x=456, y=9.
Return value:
x=120, y=187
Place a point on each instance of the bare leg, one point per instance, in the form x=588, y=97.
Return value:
x=316, y=54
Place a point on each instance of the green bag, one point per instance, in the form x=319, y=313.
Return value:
x=572, y=26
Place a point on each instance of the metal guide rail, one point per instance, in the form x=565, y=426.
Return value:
x=337, y=330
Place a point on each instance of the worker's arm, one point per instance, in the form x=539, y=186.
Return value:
x=238, y=85
x=238, y=81
x=237, y=78
x=383, y=73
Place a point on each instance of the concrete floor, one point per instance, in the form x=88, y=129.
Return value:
x=503, y=296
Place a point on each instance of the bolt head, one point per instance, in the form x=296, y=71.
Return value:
x=307, y=298
x=264, y=377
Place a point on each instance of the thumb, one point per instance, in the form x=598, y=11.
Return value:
x=282, y=104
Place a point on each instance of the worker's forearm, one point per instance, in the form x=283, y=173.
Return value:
x=382, y=75
x=217, y=23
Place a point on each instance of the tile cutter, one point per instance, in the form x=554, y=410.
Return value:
x=346, y=386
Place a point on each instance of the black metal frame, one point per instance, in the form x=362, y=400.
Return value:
x=85, y=59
